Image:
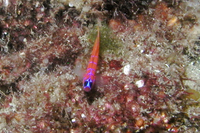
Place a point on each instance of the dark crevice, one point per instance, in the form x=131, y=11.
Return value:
x=125, y=9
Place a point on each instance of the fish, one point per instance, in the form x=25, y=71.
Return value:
x=89, y=77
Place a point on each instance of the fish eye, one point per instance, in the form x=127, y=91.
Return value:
x=90, y=84
x=85, y=83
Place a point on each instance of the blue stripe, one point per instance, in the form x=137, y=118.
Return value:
x=94, y=56
x=93, y=62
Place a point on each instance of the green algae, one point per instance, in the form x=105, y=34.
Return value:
x=108, y=40
x=193, y=94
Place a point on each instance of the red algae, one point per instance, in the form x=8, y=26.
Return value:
x=144, y=84
x=115, y=64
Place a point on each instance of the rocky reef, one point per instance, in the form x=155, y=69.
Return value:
x=148, y=71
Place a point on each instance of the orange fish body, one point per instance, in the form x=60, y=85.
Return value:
x=89, y=77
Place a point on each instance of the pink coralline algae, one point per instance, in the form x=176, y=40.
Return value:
x=147, y=76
